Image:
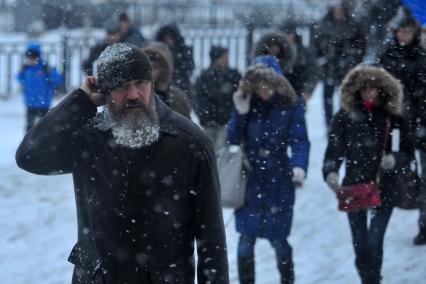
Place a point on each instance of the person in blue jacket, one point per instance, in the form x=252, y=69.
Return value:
x=268, y=119
x=38, y=82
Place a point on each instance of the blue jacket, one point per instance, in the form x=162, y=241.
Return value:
x=39, y=83
x=267, y=131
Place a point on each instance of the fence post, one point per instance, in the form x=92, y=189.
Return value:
x=249, y=41
x=65, y=62
x=9, y=75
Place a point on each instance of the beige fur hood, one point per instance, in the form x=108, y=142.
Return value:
x=287, y=54
x=391, y=93
x=161, y=56
x=262, y=74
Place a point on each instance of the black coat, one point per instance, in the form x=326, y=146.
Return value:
x=94, y=53
x=357, y=137
x=213, y=95
x=183, y=61
x=176, y=99
x=305, y=73
x=139, y=210
x=183, y=65
x=134, y=36
x=342, y=45
x=408, y=64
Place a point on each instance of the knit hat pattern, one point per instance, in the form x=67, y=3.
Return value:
x=120, y=63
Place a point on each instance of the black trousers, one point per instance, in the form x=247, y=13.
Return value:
x=328, y=102
x=34, y=115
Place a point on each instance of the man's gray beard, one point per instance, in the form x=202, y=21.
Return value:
x=132, y=128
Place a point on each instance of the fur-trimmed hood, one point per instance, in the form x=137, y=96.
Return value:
x=288, y=52
x=391, y=92
x=160, y=54
x=262, y=74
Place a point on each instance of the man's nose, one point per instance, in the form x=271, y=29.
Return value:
x=133, y=93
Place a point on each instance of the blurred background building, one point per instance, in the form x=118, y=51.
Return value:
x=52, y=14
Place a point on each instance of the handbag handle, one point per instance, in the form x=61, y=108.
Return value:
x=385, y=142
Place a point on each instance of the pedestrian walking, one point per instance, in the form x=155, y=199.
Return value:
x=268, y=119
x=213, y=92
x=405, y=58
x=371, y=110
x=161, y=60
x=39, y=82
x=183, y=61
x=129, y=33
x=112, y=30
x=341, y=45
x=145, y=179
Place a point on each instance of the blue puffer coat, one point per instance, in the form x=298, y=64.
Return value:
x=39, y=83
x=267, y=131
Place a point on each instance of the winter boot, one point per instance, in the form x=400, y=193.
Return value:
x=420, y=239
x=370, y=278
x=286, y=269
x=246, y=270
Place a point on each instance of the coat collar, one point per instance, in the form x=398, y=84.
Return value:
x=166, y=119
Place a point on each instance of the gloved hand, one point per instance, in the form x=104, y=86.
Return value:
x=388, y=162
x=242, y=102
x=332, y=181
x=299, y=176
x=242, y=97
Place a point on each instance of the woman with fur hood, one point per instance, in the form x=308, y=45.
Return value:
x=182, y=59
x=370, y=98
x=268, y=118
x=161, y=60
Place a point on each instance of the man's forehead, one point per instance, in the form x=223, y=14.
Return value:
x=136, y=81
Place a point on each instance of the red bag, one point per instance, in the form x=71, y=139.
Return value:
x=363, y=195
x=359, y=196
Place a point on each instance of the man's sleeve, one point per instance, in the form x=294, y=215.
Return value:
x=46, y=148
x=209, y=228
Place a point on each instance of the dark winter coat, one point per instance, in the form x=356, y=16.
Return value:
x=342, y=46
x=183, y=61
x=135, y=37
x=305, y=73
x=139, y=210
x=174, y=97
x=39, y=83
x=357, y=135
x=267, y=131
x=213, y=95
x=408, y=64
x=94, y=53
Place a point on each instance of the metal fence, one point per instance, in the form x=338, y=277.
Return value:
x=68, y=52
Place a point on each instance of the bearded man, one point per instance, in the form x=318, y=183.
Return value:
x=145, y=178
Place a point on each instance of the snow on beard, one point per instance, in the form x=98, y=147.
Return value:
x=131, y=128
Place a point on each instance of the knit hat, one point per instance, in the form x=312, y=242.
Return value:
x=33, y=50
x=216, y=52
x=269, y=61
x=120, y=63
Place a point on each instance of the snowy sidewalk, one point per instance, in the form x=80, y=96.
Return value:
x=38, y=223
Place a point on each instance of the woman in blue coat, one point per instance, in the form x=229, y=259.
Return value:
x=268, y=118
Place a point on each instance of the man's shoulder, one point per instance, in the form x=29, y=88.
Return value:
x=189, y=132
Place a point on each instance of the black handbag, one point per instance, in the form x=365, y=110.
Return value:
x=404, y=182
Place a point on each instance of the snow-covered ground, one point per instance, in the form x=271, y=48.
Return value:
x=38, y=223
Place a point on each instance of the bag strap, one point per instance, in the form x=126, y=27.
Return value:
x=385, y=142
